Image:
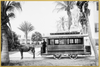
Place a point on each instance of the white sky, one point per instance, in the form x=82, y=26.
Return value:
x=40, y=14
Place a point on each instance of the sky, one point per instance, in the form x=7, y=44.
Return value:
x=43, y=17
x=40, y=14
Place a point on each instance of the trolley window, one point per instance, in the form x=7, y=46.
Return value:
x=76, y=41
x=48, y=41
x=79, y=41
x=71, y=41
x=67, y=41
x=62, y=42
x=56, y=41
x=51, y=42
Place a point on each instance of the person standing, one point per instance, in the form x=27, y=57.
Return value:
x=44, y=46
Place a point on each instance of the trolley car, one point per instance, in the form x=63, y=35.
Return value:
x=70, y=43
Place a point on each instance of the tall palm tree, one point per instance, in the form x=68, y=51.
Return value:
x=84, y=5
x=67, y=6
x=61, y=23
x=81, y=5
x=7, y=6
x=26, y=28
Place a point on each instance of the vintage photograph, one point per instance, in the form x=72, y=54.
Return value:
x=49, y=33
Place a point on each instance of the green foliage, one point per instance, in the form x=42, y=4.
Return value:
x=36, y=37
x=13, y=45
x=8, y=6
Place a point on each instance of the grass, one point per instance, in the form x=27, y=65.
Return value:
x=39, y=63
x=11, y=64
x=36, y=64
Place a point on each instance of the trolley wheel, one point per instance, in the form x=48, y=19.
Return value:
x=72, y=56
x=57, y=56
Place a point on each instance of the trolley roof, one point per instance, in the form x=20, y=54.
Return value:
x=66, y=35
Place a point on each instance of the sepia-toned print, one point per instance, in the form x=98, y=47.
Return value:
x=49, y=33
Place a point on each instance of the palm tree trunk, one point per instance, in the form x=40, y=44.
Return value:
x=4, y=53
x=93, y=44
x=69, y=20
x=84, y=28
x=63, y=26
x=26, y=38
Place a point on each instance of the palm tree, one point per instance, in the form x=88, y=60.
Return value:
x=84, y=5
x=61, y=23
x=81, y=5
x=67, y=6
x=26, y=28
x=7, y=6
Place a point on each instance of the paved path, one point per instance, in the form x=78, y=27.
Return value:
x=17, y=54
x=26, y=56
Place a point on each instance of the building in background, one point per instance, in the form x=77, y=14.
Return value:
x=22, y=40
x=94, y=20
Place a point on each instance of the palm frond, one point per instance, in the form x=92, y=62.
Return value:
x=11, y=5
x=65, y=5
x=30, y=27
x=8, y=3
x=69, y=3
x=60, y=4
x=22, y=27
x=26, y=27
x=11, y=15
x=61, y=23
x=9, y=8
x=60, y=9
x=16, y=5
